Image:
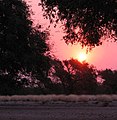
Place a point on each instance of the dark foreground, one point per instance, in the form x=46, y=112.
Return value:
x=66, y=111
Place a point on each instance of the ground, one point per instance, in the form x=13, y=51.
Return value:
x=58, y=111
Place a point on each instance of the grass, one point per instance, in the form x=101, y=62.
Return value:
x=55, y=98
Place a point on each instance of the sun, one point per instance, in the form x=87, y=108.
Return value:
x=82, y=57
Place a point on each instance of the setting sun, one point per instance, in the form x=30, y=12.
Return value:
x=82, y=57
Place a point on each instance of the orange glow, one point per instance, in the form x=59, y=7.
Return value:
x=82, y=57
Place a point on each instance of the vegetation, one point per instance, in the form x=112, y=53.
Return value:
x=110, y=80
x=22, y=48
x=25, y=67
x=85, y=21
x=57, y=98
x=75, y=77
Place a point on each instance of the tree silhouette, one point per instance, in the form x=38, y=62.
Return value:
x=75, y=77
x=85, y=21
x=22, y=47
x=59, y=77
x=110, y=82
x=83, y=76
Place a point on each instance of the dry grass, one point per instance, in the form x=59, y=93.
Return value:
x=64, y=98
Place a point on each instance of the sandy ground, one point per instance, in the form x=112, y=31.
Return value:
x=61, y=111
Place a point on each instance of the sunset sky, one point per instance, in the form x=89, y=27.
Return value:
x=102, y=57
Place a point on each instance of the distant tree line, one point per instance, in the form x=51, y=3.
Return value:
x=27, y=68
x=74, y=77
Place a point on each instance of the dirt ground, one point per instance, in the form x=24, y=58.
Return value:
x=61, y=111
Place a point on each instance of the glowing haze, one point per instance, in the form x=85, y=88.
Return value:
x=102, y=57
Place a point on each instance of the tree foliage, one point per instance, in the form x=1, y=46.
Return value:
x=110, y=80
x=75, y=77
x=22, y=47
x=85, y=21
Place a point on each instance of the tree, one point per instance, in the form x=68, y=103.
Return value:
x=110, y=80
x=85, y=21
x=75, y=77
x=22, y=47
x=83, y=76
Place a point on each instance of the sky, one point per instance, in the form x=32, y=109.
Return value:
x=104, y=56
